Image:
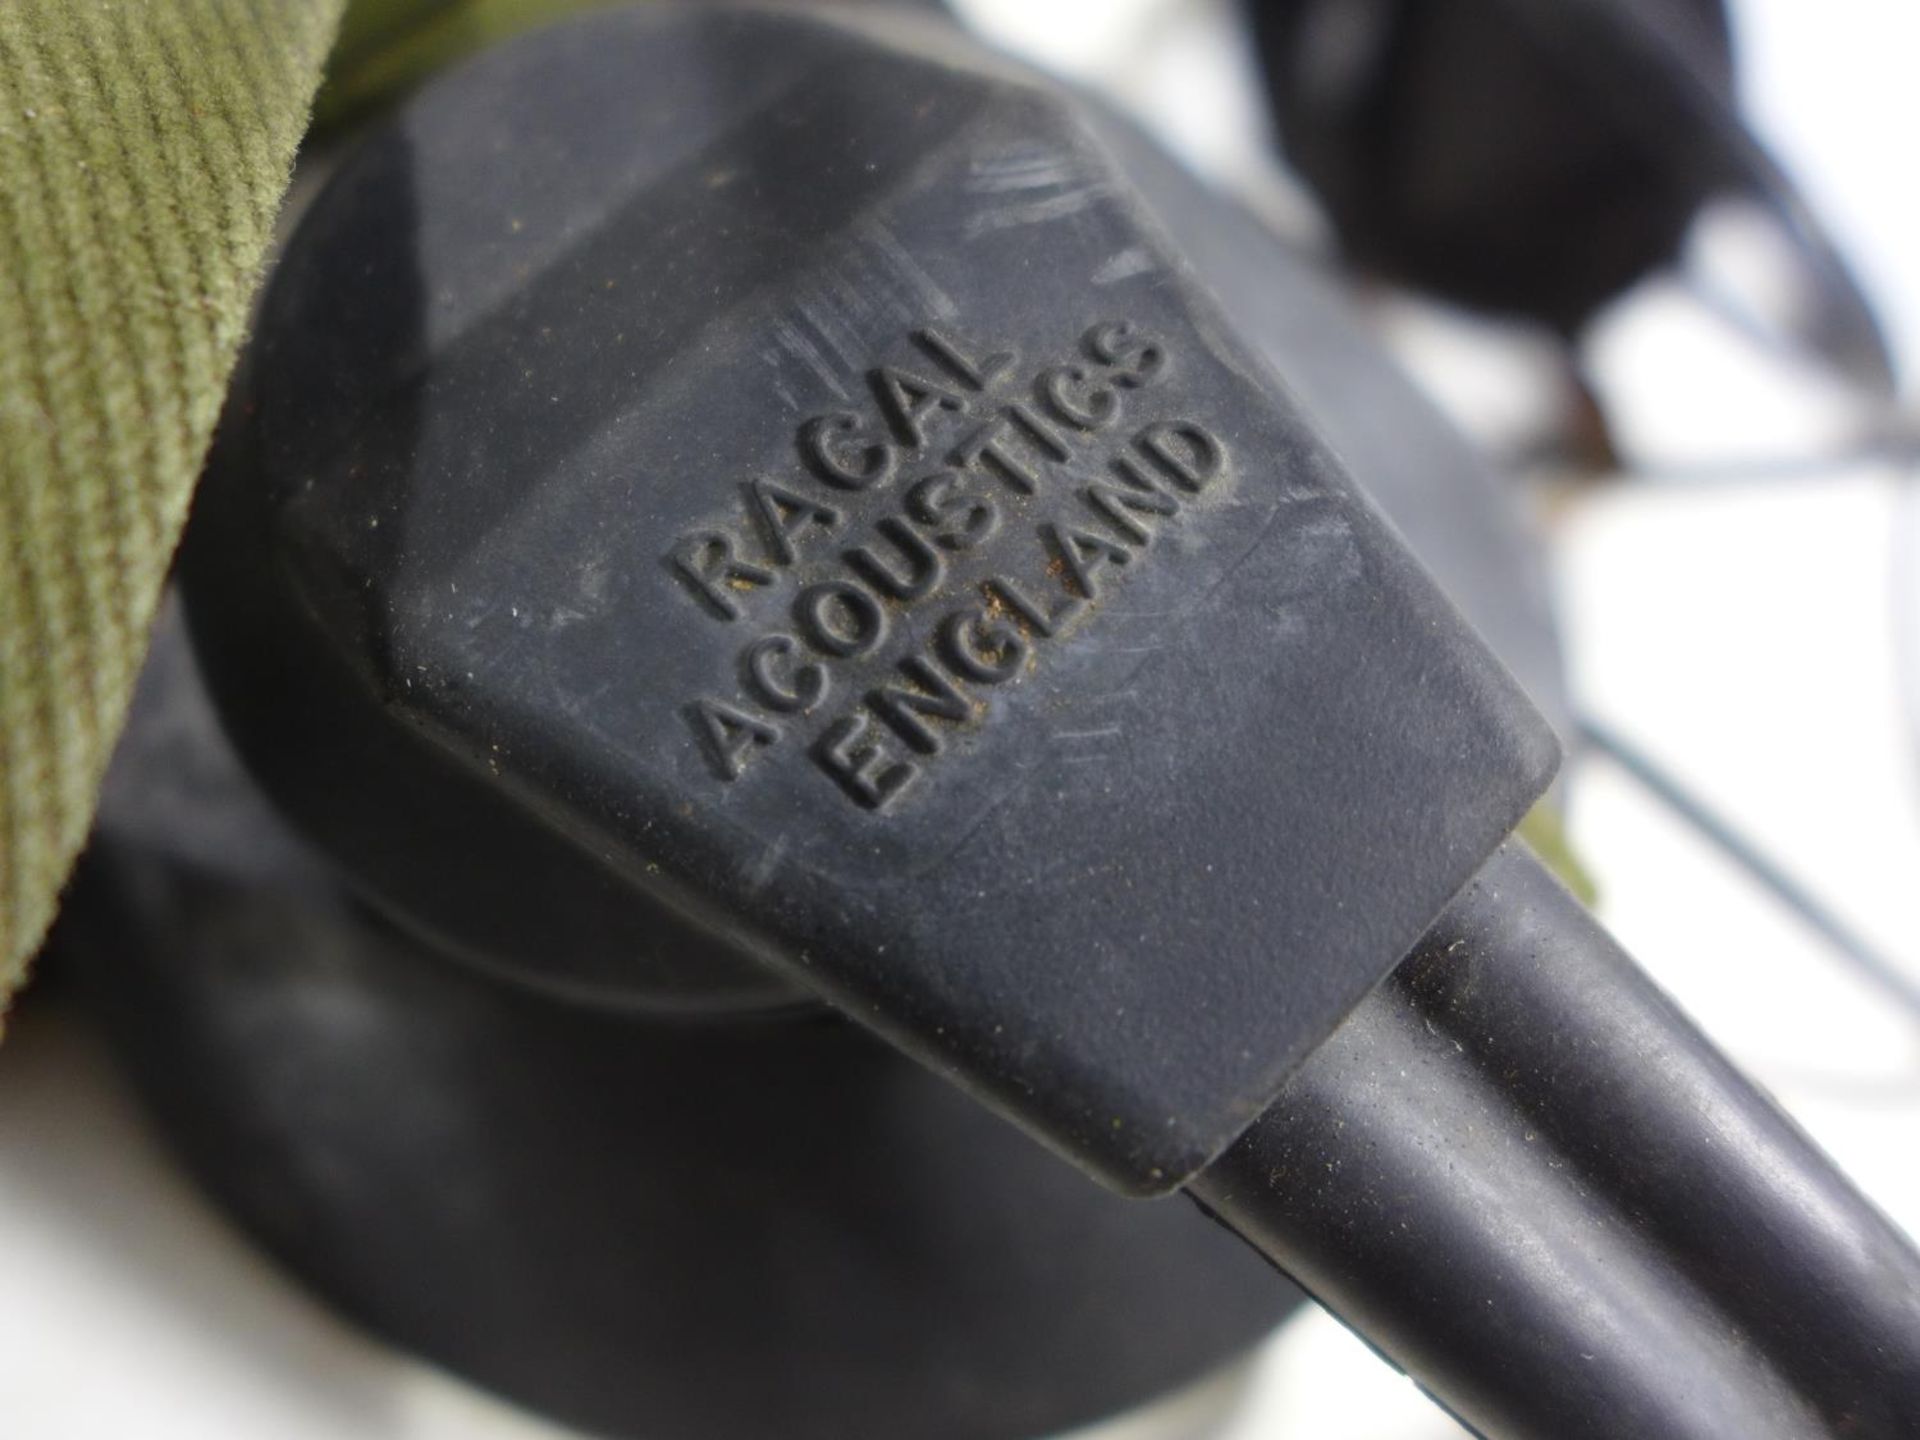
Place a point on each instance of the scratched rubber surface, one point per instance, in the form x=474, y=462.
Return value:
x=807, y=492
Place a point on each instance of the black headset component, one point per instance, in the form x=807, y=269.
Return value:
x=760, y=544
x=1537, y=157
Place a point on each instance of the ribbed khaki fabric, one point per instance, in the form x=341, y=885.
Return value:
x=144, y=148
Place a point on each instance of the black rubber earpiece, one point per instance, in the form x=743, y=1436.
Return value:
x=1539, y=157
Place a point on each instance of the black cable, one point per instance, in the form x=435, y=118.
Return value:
x=1535, y=1187
x=1879, y=970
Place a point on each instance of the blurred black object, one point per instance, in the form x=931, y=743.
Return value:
x=635, y=1226
x=1505, y=157
x=1537, y=157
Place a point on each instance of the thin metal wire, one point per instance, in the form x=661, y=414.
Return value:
x=1886, y=974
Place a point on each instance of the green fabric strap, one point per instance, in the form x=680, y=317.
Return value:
x=145, y=146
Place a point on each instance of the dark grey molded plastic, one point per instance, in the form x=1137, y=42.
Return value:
x=783, y=475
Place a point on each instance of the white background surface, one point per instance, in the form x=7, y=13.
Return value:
x=1743, y=633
